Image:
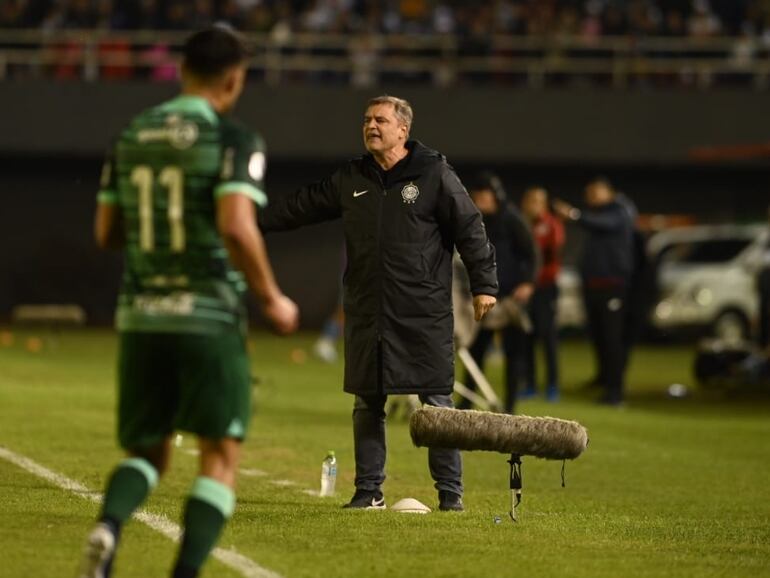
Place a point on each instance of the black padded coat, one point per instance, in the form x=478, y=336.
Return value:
x=401, y=227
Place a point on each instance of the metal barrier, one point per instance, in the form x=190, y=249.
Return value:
x=367, y=60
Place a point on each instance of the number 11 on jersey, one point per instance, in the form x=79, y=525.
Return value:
x=172, y=179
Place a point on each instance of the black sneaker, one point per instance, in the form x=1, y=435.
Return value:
x=449, y=501
x=367, y=500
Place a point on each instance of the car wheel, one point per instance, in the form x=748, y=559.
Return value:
x=731, y=326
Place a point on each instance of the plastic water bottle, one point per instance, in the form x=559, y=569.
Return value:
x=328, y=474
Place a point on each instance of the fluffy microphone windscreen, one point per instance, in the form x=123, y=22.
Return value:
x=543, y=437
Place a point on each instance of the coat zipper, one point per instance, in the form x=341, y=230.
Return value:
x=380, y=209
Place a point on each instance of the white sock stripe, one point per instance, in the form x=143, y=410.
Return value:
x=144, y=467
x=238, y=562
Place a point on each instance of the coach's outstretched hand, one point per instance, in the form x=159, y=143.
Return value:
x=283, y=314
x=482, y=304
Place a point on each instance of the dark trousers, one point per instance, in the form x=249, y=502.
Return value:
x=542, y=310
x=445, y=465
x=513, y=348
x=605, y=310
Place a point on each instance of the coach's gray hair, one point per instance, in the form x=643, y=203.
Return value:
x=401, y=107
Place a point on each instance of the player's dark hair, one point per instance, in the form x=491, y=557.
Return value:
x=211, y=52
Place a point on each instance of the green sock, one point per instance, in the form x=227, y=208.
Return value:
x=208, y=508
x=129, y=486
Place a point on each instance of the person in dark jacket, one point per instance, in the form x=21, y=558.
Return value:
x=404, y=211
x=640, y=286
x=516, y=268
x=606, y=269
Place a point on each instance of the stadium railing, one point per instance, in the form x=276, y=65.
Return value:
x=365, y=60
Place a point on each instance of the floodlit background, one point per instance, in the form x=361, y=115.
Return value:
x=667, y=99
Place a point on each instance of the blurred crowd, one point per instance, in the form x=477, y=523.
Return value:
x=587, y=18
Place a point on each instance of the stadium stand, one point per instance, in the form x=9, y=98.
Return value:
x=535, y=42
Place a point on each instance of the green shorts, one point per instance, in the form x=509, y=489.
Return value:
x=179, y=381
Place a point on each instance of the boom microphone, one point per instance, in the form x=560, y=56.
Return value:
x=544, y=437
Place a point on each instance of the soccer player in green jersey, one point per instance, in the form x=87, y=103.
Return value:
x=178, y=195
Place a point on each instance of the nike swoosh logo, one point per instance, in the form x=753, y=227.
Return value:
x=377, y=504
x=359, y=193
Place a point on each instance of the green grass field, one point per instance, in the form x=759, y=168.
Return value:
x=667, y=487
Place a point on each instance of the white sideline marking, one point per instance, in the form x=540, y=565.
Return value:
x=238, y=562
x=283, y=483
x=253, y=473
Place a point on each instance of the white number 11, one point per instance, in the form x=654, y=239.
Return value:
x=172, y=178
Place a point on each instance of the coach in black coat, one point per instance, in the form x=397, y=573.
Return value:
x=404, y=211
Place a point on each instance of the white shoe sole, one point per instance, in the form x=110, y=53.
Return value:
x=99, y=548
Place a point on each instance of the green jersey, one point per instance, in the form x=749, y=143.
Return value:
x=165, y=173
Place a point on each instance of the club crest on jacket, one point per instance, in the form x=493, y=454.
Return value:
x=410, y=193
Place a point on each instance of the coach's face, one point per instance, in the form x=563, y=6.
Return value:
x=383, y=130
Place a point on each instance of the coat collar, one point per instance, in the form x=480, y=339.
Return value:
x=410, y=167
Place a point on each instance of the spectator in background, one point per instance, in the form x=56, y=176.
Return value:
x=11, y=14
x=548, y=232
x=79, y=15
x=614, y=22
x=444, y=20
x=259, y=19
x=763, y=287
x=365, y=54
x=177, y=15
x=415, y=15
x=203, y=14
x=146, y=15
x=230, y=11
x=516, y=267
x=589, y=18
x=606, y=269
x=108, y=18
x=674, y=23
x=703, y=22
x=591, y=26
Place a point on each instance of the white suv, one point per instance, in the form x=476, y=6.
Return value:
x=706, y=278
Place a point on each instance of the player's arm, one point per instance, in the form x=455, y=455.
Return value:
x=239, y=192
x=108, y=224
x=236, y=222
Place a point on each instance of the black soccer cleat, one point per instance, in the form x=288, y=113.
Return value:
x=449, y=501
x=366, y=500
